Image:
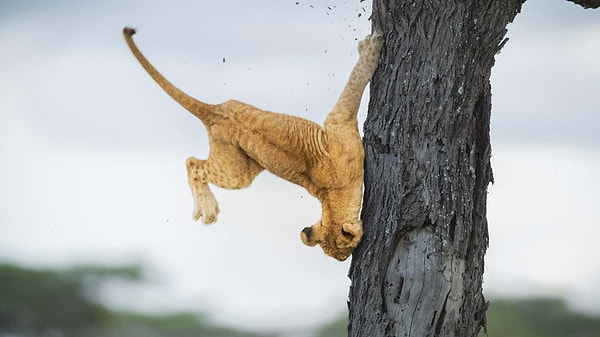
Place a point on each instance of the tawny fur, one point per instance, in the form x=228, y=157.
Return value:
x=326, y=160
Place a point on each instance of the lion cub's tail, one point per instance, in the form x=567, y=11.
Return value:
x=199, y=109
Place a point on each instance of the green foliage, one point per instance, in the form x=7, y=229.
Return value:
x=516, y=318
x=129, y=324
x=54, y=303
x=336, y=328
x=39, y=303
x=538, y=318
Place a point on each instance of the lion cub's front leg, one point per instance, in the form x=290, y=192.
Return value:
x=340, y=229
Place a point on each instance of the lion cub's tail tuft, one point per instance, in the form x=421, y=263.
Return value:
x=128, y=31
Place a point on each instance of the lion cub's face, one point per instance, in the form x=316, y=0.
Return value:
x=337, y=241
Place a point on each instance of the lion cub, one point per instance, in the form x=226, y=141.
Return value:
x=326, y=160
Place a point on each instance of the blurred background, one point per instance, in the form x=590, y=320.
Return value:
x=96, y=230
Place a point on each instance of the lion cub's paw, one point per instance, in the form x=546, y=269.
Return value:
x=369, y=50
x=205, y=207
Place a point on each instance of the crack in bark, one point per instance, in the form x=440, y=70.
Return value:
x=423, y=284
x=452, y=228
x=440, y=320
x=376, y=142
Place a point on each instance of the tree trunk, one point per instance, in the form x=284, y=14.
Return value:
x=587, y=3
x=418, y=270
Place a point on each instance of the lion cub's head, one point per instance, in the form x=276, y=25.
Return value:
x=337, y=241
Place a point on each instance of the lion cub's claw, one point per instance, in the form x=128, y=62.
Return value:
x=369, y=50
x=205, y=206
x=371, y=44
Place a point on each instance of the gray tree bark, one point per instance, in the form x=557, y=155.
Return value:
x=587, y=3
x=418, y=270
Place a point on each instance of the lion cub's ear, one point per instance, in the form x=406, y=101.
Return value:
x=307, y=237
x=353, y=231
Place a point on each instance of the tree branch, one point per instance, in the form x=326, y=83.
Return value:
x=587, y=3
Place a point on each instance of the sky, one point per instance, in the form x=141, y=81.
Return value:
x=93, y=152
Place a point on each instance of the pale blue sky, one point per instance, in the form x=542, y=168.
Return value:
x=93, y=151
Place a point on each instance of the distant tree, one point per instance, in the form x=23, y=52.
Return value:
x=539, y=317
x=40, y=303
x=532, y=317
x=418, y=270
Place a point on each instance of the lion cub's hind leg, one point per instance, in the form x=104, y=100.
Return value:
x=205, y=204
x=228, y=167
